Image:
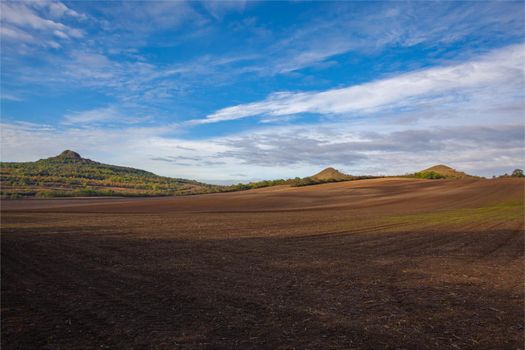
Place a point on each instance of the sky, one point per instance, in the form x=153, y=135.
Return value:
x=239, y=91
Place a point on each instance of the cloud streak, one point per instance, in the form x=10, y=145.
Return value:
x=503, y=66
x=23, y=23
x=104, y=115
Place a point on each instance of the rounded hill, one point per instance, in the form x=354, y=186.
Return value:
x=442, y=171
x=330, y=174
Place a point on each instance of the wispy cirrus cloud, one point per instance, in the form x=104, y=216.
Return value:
x=112, y=65
x=501, y=68
x=218, y=9
x=140, y=17
x=10, y=97
x=130, y=80
x=104, y=115
x=126, y=80
x=399, y=24
x=57, y=9
x=37, y=23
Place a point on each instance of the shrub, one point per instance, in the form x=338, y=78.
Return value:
x=428, y=175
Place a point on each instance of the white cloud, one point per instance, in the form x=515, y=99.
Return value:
x=23, y=16
x=102, y=115
x=501, y=68
x=9, y=97
x=140, y=18
x=390, y=151
x=218, y=9
x=58, y=9
x=22, y=22
x=15, y=34
x=369, y=29
x=139, y=78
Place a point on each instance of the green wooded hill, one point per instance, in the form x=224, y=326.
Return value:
x=442, y=172
x=68, y=174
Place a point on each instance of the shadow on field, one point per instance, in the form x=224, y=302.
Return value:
x=433, y=290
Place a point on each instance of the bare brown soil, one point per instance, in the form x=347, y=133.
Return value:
x=371, y=264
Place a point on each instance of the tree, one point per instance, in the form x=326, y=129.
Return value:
x=517, y=173
x=429, y=175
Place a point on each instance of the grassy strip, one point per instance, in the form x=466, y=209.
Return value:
x=504, y=211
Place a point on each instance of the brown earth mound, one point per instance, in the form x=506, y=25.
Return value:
x=331, y=174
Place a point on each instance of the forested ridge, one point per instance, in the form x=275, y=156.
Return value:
x=68, y=174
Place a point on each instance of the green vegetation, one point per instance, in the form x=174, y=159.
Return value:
x=307, y=181
x=69, y=175
x=429, y=175
x=441, y=172
x=504, y=211
x=295, y=182
x=515, y=173
x=253, y=185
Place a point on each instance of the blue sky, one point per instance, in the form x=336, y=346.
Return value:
x=240, y=91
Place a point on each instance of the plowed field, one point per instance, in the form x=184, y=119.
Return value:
x=370, y=264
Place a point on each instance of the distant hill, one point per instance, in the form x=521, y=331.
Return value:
x=442, y=172
x=68, y=174
x=326, y=175
x=331, y=174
